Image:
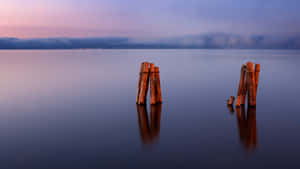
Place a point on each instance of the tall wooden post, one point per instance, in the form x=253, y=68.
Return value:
x=152, y=84
x=251, y=85
x=139, y=82
x=158, y=89
x=244, y=87
x=143, y=83
x=257, y=70
x=241, y=87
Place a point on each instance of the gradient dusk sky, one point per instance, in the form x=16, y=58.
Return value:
x=146, y=19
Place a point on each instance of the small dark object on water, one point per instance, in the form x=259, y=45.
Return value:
x=230, y=100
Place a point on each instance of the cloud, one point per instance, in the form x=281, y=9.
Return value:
x=204, y=41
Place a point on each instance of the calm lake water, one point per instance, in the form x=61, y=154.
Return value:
x=75, y=109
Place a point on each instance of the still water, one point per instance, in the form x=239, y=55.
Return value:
x=75, y=109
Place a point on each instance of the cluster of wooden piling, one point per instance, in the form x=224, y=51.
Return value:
x=247, y=86
x=149, y=72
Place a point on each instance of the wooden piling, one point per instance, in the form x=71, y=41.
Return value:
x=251, y=87
x=257, y=70
x=230, y=100
x=244, y=87
x=241, y=86
x=143, y=84
x=157, y=86
x=152, y=84
x=139, y=82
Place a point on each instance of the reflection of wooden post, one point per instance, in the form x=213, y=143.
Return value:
x=155, y=120
x=241, y=86
x=230, y=108
x=251, y=118
x=257, y=70
x=149, y=132
x=230, y=100
x=251, y=85
x=143, y=123
x=143, y=84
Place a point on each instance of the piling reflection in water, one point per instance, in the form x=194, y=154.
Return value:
x=149, y=132
x=231, y=109
x=247, y=127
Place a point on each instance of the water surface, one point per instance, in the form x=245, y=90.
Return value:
x=76, y=109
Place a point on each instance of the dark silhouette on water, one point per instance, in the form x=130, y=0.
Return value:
x=247, y=126
x=149, y=132
x=230, y=108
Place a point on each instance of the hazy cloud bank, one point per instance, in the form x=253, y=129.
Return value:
x=205, y=41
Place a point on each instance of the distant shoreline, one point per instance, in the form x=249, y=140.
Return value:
x=151, y=49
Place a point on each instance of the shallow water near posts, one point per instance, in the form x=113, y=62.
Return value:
x=76, y=109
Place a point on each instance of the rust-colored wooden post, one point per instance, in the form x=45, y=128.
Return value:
x=143, y=84
x=157, y=86
x=230, y=100
x=244, y=87
x=257, y=70
x=241, y=86
x=251, y=85
x=152, y=84
x=139, y=82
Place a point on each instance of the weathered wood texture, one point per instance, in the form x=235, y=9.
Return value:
x=143, y=83
x=241, y=89
x=244, y=87
x=139, y=83
x=149, y=72
x=152, y=84
x=251, y=86
x=157, y=88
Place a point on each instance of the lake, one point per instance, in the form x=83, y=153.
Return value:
x=75, y=109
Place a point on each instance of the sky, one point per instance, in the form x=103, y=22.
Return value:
x=147, y=19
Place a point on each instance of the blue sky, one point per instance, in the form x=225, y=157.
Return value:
x=147, y=19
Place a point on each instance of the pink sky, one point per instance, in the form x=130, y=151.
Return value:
x=139, y=18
